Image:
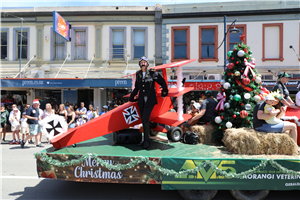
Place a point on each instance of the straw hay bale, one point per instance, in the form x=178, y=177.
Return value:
x=250, y=142
x=205, y=133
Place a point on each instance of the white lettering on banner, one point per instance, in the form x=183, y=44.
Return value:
x=80, y=172
x=272, y=83
x=271, y=176
x=120, y=82
x=32, y=83
x=292, y=184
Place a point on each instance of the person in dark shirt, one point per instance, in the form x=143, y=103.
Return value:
x=4, y=120
x=283, y=78
x=207, y=110
x=259, y=123
x=32, y=115
x=145, y=82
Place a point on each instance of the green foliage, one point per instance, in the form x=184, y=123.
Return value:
x=232, y=114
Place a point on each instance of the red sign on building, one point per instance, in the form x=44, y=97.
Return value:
x=201, y=85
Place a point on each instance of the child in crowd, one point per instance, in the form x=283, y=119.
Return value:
x=81, y=120
x=195, y=111
x=24, y=126
x=14, y=120
x=95, y=114
x=269, y=109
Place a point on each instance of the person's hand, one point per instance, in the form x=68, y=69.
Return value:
x=36, y=119
x=294, y=106
x=190, y=121
x=283, y=109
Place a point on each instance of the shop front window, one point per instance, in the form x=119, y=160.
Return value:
x=8, y=98
x=48, y=96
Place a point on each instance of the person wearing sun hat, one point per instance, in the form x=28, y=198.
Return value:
x=283, y=78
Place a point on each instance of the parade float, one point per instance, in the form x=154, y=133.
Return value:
x=104, y=155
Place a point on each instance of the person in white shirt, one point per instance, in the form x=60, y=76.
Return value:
x=12, y=111
x=89, y=113
x=48, y=111
x=14, y=120
x=24, y=126
x=297, y=100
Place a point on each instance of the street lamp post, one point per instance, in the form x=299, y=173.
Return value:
x=234, y=30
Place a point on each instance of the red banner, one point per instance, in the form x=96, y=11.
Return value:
x=200, y=85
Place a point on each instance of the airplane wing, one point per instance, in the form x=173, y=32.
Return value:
x=169, y=65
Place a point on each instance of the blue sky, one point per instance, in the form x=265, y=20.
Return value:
x=54, y=3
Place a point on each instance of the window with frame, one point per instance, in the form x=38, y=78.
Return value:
x=59, y=47
x=208, y=41
x=272, y=42
x=180, y=43
x=234, y=38
x=24, y=44
x=139, y=43
x=118, y=44
x=4, y=45
x=80, y=44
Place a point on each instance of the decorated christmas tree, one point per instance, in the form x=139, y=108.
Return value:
x=240, y=91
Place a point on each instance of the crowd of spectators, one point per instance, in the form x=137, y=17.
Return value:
x=27, y=123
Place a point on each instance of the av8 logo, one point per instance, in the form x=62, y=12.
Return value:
x=207, y=174
x=130, y=114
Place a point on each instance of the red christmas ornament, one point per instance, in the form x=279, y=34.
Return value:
x=233, y=49
x=50, y=176
x=247, y=58
x=222, y=117
x=234, y=116
x=207, y=123
x=248, y=121
x=232, y=58
x=230, y=65
x=237, y=62
x=43, y=174
x=239, y=45
x=243, y=114
x=242, y=71
x=242, y=104
x=245, y=50
x=246, y=81
x=253, y=79
x=153, y=182
x=223, y=90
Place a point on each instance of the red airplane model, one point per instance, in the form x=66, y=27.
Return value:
x=128, y=115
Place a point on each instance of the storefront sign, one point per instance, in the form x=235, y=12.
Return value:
x=291, y=84
x=203, y=85
x=42, y=83
x=269, y=178
x=108, y=83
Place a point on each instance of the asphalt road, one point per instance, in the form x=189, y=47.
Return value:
x=19, y=180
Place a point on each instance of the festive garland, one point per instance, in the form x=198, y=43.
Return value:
x=296, y=120
x=164, y=171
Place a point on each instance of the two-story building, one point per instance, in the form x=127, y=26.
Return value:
x=106, y=43
x=196, y=31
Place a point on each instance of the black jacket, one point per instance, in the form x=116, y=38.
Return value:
x=147, y=89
